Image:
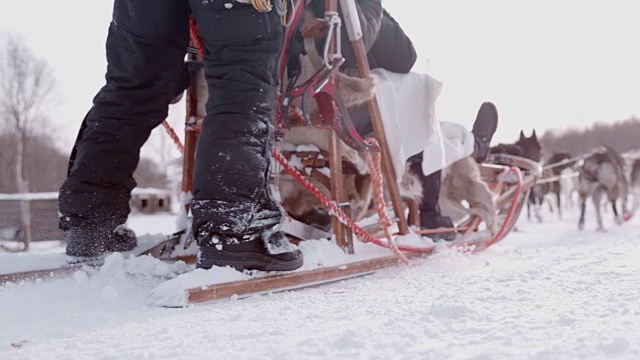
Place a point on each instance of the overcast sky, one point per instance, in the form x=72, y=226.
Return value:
x=546, y=64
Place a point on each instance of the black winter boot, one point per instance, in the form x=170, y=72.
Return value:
x=483, y=129
x=94, y=240
x=432, y=221
x=266, y=251
x=430, y=215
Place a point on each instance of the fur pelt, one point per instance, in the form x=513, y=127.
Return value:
x=461, y=181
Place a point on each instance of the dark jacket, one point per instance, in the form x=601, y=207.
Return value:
x=387, y=45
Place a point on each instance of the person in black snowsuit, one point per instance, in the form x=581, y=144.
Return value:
x=389, y=48
x=235, y=219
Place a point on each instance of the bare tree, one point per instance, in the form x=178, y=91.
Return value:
x=164, y=151
x=26, y=95
x=150, y=175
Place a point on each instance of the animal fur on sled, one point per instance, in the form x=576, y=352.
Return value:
x=354, y=91
x=461, y=181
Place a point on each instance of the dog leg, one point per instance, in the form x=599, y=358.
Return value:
x=597, y=201
x=559, y=203
x=530, y=203
x=583, y=207
x=616, y=215
x=537, y=208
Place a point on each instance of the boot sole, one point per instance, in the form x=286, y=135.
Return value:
x=492, y=120
x=210, y=257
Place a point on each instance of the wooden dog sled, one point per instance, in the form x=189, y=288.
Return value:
x=510, y=178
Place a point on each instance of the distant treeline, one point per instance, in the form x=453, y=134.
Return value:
x=622, y=136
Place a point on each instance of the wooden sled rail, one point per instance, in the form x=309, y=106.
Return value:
x=42, y=274
x=291, y=281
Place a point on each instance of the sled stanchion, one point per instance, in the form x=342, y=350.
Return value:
x=337, y=192
x=414, y=212
x=335, y=158
x=347, y=231
x=354, y=32
x=191, y=124
x=188, y=159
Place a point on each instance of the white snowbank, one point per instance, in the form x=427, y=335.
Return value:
x=545, y=292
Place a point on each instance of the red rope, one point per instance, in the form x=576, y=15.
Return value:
x=330, y=205
x=373, y=162
x=195, y=36
x=174, y=137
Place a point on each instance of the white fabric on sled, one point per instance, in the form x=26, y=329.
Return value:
x=458, y=142
x=407, y=107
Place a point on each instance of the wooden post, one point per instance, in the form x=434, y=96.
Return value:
x=191, y=133
x=414, y=212
x=335, y=158
x=348, y=233
x=352, y=23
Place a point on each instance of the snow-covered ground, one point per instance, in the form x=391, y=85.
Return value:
x=545, y=292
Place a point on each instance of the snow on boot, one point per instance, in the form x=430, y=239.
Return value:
x=437, y=221
x=94, y=240
x=269, y=251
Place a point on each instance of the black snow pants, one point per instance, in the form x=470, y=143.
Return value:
x=146, y=48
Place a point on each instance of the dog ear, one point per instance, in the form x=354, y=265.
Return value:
x=534, y=136
x=522, y=137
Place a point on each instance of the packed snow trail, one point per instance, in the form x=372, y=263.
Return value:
x=547, y=292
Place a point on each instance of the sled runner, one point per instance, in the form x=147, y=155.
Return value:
x=61, y=265
x=509, y=178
